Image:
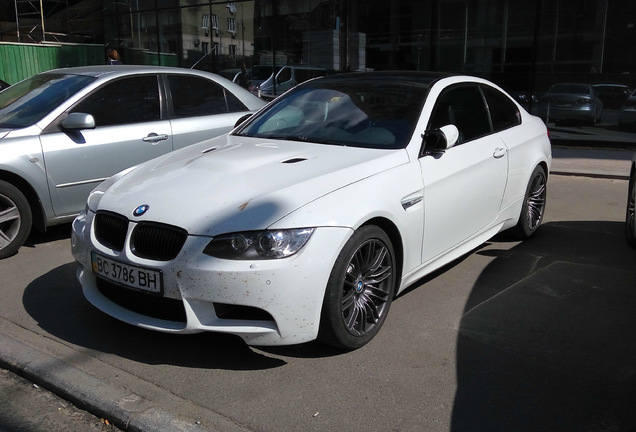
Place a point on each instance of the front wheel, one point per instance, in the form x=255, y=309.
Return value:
x=360, y=290
x=533, y=204
x=15, y=219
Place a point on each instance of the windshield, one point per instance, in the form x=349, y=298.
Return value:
x=360, y=113
x=28, y=101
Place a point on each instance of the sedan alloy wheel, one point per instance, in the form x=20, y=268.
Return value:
x=15, y=219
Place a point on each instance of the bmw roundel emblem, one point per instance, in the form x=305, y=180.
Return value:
x=141, y=210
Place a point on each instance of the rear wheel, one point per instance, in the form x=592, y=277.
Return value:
x=360, y=290
x=533, y=204
x=15, y=219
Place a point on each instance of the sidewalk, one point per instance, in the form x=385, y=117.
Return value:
x=591, y=162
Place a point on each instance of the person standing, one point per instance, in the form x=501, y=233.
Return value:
x=113, y=57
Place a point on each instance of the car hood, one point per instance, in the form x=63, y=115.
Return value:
x=234, y=183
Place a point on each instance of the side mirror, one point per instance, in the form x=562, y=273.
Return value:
x=439, y=140
x=78, y=121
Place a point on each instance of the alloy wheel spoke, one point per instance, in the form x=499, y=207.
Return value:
x=4, y=240
x=9, y=214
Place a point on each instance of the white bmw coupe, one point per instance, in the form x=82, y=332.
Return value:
x=309, y=218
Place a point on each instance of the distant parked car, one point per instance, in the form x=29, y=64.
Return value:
x=570, y=102
x=612, y=95
x=256, y=75
x=64, y=131
x=627, y=117
x=287, y=78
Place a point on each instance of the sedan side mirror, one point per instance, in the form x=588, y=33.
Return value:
x=78, y=120
x=242, y=119
x=439, y=140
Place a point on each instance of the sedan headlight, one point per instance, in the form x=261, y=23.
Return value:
x=259, y=245
x=96, y=194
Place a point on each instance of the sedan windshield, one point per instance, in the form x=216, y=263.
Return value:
x=28, y=101
x=359, y=113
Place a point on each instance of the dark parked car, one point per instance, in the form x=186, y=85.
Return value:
x=627, y=117
x=570, y=103
x=612, y=95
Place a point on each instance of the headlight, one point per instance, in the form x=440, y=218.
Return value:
x=258, y=245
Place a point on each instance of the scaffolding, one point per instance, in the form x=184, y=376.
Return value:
x=39, y=21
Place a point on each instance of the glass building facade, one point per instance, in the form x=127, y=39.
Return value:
x=525, y=47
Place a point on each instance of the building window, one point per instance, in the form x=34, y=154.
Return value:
x=232, y=49
x=231, y=26
x=205, y=25
x=215, y=22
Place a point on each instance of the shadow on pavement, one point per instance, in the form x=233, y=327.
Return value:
x=546, y=341
x=56, y=302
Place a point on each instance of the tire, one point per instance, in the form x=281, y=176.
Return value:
x=360, y=290
x=629, y=213
x=15, y=219
x=533, y=206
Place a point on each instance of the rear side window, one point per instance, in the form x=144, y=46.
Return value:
x=124, y=101
x=503, y=112
x=195, y=96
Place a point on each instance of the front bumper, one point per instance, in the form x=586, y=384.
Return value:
x=268, y=302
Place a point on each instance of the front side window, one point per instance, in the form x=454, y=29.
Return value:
x=124, y=101
x=195, y=96
x=27, y=102
x=464, y=107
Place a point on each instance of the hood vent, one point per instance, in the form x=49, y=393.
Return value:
x=297, y=159
x=294, y=160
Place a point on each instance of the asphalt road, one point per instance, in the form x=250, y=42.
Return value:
x=530, y=336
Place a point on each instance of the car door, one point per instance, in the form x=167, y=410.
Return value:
x=129, y=129
x=464, y=186
x=200, y=109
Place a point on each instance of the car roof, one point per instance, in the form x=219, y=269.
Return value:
x=609, y=85
x=426, y=78
x=115, y=70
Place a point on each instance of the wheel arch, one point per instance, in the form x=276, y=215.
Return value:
x=543, y=164
x=30, y=194
x=396, y=241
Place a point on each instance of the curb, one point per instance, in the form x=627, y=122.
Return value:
x=589, y=173
x=126, y=410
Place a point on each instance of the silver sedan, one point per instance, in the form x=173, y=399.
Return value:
x=64, y=131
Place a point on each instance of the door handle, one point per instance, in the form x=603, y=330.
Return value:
x=154, y=138
x=499, y=152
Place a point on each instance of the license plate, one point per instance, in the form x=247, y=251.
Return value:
x=127, y=275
